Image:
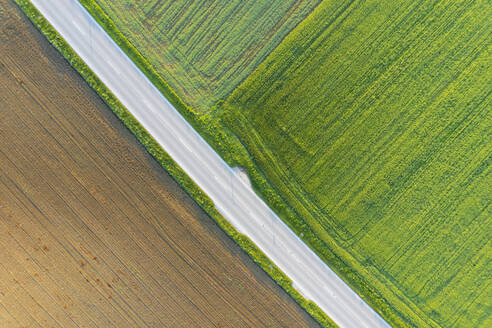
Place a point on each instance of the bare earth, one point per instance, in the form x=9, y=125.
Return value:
x=93, y=233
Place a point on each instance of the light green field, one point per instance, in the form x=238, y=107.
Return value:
x=367, y=128
x=373, y=121
x=203, y=49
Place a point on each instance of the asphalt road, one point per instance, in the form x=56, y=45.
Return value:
x=231, y=196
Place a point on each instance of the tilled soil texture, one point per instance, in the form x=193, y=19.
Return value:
x=93, y=232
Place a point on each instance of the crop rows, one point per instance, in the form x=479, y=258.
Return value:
x=377, y=117
x=205, y=48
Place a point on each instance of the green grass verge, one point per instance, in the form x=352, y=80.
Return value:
x=156, y=150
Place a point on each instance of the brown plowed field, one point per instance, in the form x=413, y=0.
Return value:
x=93, y=232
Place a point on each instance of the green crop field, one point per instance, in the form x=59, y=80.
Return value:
x=203, y=49
x=373, y=121
x=366, y=125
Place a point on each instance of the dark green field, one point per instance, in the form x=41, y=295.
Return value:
x=365, y=124
x=377, y=117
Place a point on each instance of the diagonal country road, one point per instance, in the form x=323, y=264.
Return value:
x=231, y=196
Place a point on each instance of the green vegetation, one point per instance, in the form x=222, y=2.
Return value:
x=203, y=49
x=159, y=154
x=372, y=119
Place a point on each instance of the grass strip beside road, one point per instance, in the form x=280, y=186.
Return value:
x=153, y=147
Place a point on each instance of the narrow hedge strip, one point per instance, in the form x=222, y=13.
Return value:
x=156, y=150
